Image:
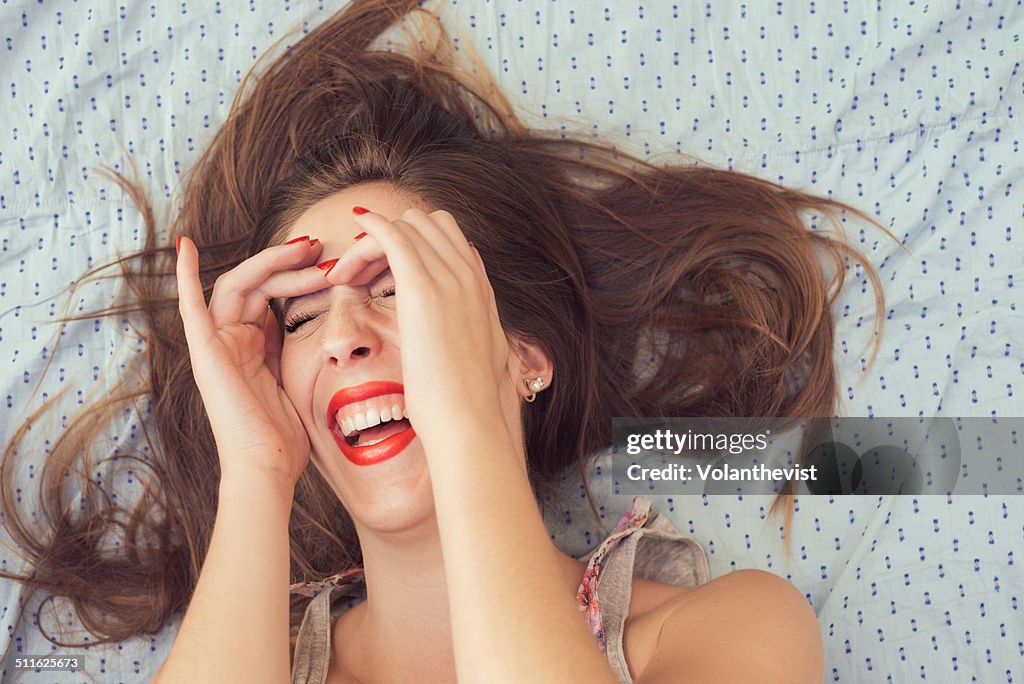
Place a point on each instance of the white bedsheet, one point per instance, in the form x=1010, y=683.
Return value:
x=909, y=110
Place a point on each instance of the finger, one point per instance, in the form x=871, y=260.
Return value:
x=498, y=332
x=365, y=260
x=461, y=258
x=400, y=244
x=453, y=258
x=466, y=262
x=482, y=271
x=371, y=271
x=480, y=268
x=228, y=302
x=454, y=232
x=200, y=331
x=443, y=246
x=281, y=284
x=359, y=264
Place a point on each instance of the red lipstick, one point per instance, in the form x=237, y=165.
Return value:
x=374, y=453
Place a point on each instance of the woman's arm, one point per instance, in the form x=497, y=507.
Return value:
x=236, y=625
x=510, y=610
x=512, y=618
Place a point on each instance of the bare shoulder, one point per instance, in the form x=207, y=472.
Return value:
x=748, y=625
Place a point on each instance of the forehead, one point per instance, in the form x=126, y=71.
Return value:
x=332, y=215
x=330, y=220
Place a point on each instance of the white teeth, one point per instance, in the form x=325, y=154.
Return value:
x=350, y=421
x=372, y=417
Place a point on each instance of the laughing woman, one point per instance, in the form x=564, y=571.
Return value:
x=403, y=316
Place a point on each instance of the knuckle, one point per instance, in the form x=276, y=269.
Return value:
x=228, y=283
x=442, y=215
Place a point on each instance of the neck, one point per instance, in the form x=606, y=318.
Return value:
x=406, y=611
x=403, y=630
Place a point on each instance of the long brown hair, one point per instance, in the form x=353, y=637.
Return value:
x=657, y=291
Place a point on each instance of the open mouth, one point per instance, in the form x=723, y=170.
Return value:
x=368, y=422
x=374, y=444
x=378, y=433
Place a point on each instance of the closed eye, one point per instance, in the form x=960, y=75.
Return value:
x=295, y=322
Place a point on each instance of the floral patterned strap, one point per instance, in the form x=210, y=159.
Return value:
x=587, y=600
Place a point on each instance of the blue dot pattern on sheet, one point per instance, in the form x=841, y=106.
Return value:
x=907, y=110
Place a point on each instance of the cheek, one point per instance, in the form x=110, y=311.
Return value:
x=298, y=373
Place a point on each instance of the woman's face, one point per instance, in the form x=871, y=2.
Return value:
x=341, y=360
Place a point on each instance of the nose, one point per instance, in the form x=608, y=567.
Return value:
x=345, y=340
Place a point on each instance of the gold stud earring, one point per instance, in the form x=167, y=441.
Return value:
x=535, y=385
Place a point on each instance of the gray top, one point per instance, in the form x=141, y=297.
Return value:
x=643, y=544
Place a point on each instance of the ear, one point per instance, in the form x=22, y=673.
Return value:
x=528, y=362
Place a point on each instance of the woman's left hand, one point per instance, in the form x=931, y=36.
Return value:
x=454, y=351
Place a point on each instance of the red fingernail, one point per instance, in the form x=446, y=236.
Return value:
x=298, y=239
x=360, y=236
x=326, y=266
x=177, y=245
x=359, y=210
x=314, y=241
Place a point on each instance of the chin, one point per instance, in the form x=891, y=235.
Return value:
x=388, y=497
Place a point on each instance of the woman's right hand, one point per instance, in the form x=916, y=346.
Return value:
x=234, y=345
